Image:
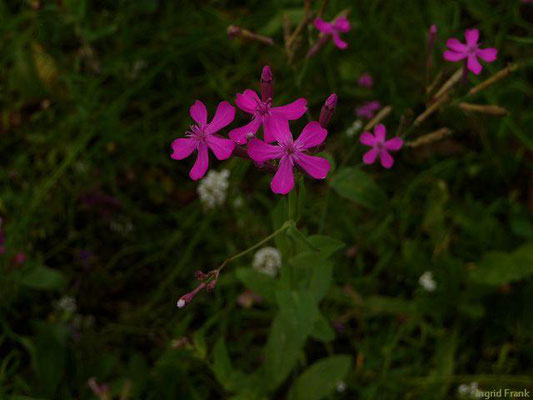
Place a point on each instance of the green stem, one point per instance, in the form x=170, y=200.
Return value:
x=285, y=226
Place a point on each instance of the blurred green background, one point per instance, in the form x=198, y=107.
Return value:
x=103, y=231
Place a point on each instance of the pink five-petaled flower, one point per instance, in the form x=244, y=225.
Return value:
x=339, y=25
x=470, y=50
x=202, y=136
x=264, y=114
x=291, y=153
x=380, y=146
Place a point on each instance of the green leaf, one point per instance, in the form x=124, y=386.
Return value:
x=39, y=277
x=262, y=284
x=322, y=330
x=289, y=331
x=326, y=244
x=321, y=378
x=355, y=185
x=232, y=380
x=498, y=268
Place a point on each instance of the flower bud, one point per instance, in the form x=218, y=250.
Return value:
x=327, y=110
x=267, y=84
x=432, y=34
x=186, y=299
x=234, y=31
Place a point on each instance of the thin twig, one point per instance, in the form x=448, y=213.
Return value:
x=493, y=79
x=378, y=118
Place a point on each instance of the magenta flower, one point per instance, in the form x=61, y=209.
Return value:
x=333, y=29
x=291, y=153
x=263, y=114
x=469, y=51
x=368, y=109
x=202, y=136
x=366, y=81
x=380, y=146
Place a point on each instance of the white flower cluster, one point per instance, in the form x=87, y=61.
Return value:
x=465, y=390
x=213, y=188
x=354, y=128
x=427, y=282
x=267, y=260
x=66, y=304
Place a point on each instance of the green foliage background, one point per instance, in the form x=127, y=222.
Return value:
x=91, y=95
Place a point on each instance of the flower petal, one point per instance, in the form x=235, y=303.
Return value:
x=487, y=55
x=370, y=156
x=473, y=64
x=341, y=44
x=260, y=151
x=323, y=26
x=312, y=135
x=247, y=101
x=223, y=117
x=292, y=110
x=221, y=148
x=367, y=139
x=453, y=56
x=202, y=161
x=317, y=167
x=198, y=112
x=283, y=181
x=182, y=148
x=386, y=160
x=379, y=133
x=456, y=45
x=341, y=24
x=394, y=144
x=241, y=135
x=471, y=36
x=276, y=128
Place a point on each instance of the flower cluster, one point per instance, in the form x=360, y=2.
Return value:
x=277, y=142
x=212, y=190
x=267, y=261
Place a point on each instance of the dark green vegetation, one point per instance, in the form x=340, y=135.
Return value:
x=91, y=95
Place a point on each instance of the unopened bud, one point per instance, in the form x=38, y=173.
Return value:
x=267, y=84
x=186, y=299
x=327, y=110
x=432, y=34
x=234, y=31
x=201, y=276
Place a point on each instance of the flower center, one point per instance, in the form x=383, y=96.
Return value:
x=197, y=133
x=471, y=48
x=263, y=107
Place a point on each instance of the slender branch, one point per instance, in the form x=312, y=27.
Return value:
x=285, y=226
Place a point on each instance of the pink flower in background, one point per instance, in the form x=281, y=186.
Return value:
x=380, y=146
x=333, y=29
x=368, y=109
x=470, y=51
x=263, y=114
x=291, y=153
x=202, y=136
x=366, y=81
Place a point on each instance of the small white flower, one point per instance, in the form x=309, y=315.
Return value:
x=341, y=386
x=181, y=303
x=213, y=188
x=267, y=260
x=66, y=304
x=427, y=282
x=463, y=390
x=471, y=390
x=354, y=128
